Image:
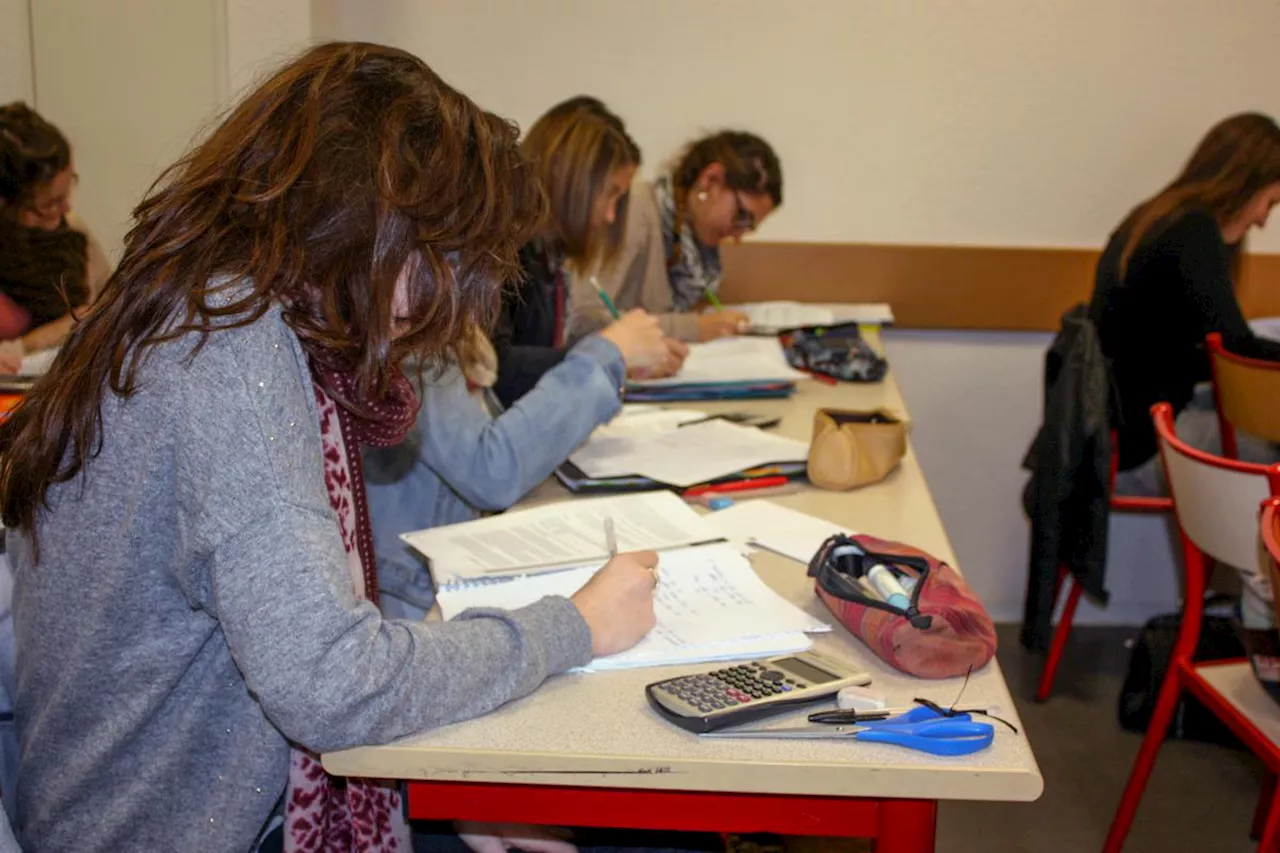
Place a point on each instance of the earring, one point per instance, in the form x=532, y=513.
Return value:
x=702, y=196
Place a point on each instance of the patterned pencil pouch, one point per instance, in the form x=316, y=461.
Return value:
x=914, y=611
x=837, y=351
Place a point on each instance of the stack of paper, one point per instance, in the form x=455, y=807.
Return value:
x=767, y=525
x=774, y=317
x=710, y=605
x=559, y=535
x=670, y=449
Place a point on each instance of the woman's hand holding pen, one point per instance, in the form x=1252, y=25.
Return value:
x=639, y=337
x=677, y=351
x=721, y=324
x=617, y=603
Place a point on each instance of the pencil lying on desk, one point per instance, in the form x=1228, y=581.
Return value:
x=736, y=486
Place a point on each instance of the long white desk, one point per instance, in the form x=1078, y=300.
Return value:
x=595, y=731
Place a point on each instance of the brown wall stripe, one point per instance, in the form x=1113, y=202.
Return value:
x=946, y=287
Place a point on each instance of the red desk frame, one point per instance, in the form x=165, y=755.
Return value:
x=897, y=826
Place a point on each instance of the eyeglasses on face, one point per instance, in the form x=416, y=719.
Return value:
x=743, y=218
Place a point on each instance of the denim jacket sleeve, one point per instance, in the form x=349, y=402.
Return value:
x=492, y=463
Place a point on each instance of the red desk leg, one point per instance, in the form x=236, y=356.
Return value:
x=899, y=826
x=907, y=826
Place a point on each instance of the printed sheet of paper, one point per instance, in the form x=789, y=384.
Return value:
x=566, y=533
x=610, y=450
x=767, y=525
x=698, y=452
x=710, y=604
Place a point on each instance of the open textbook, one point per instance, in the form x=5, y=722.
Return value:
x=710, y=605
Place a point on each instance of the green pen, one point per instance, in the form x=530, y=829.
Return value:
x=712, y=299
x=604, y=297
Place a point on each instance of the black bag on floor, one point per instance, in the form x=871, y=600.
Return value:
x=1148, y=664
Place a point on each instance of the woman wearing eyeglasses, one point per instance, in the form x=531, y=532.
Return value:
x=722, y=187
x=48, y=260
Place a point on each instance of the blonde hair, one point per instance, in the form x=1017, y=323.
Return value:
x=575, y=147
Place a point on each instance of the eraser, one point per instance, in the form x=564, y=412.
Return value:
x=719, y=503
x=859, y=699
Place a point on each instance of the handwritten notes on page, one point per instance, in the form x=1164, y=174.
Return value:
x=684, y=455
x=710, y=605
x=743, y=359
x=611, y=450
x=558, y=535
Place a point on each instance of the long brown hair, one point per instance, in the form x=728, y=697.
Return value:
x=750, y=165
x=1238, y=157
x=575, y=147
x=32, y=153
x=352, y=163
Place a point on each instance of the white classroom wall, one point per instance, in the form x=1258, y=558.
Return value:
x=988, y=122
x=16, y=80
x=985, y=122
x=132, y=82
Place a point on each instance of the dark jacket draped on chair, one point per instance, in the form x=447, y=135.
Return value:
x=1068, y=495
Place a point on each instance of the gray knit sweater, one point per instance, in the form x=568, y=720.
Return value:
x=192, y=613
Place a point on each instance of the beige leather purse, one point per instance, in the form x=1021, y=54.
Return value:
x=851, y=449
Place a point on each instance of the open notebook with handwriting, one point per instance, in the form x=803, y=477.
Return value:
x=710, y=605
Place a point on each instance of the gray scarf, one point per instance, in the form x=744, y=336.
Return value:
x=692, y=269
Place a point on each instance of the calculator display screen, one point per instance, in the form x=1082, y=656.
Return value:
x=808, y=673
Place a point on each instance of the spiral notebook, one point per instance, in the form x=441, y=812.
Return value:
x=710, y=605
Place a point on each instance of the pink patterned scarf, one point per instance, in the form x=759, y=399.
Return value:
x=323, y=813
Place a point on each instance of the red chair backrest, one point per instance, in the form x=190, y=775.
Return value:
x=1270, y=529
x=1246, y=393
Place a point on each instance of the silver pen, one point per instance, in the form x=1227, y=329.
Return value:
x=610, y=537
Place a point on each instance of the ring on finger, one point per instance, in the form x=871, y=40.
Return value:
x=653, y=570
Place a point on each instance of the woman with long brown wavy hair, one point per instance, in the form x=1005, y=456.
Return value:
x=1167, y=279
x=194, y=588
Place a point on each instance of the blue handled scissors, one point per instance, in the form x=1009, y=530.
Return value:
x=921, y=729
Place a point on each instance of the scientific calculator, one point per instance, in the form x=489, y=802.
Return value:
x=739, y=693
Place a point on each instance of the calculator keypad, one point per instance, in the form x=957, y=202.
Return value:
x=730, y=687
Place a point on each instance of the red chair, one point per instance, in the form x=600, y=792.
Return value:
x=1061, y=633
x=1215, y=502
x=1246, y=392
